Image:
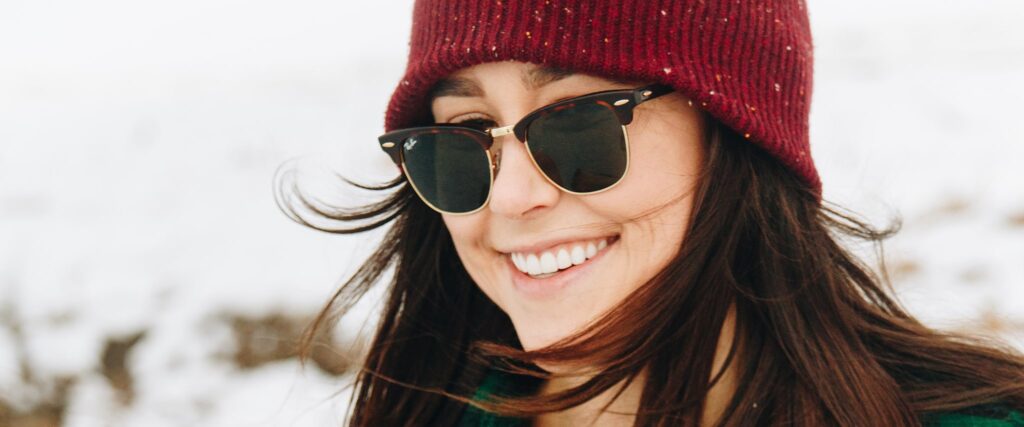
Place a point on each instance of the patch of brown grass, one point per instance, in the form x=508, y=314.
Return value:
x=275, y=337
x=46, y=413
x=114, y=365
x=1015, y=220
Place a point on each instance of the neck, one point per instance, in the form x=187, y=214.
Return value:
x=621, y=410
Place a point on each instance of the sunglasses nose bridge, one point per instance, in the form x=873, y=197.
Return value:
x=495, y=155
x=501, y=131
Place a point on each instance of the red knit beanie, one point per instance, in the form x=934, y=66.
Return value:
x=746, y=62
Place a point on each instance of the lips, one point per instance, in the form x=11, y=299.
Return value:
x=561, y=257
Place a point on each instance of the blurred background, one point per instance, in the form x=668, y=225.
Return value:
x=148, y=279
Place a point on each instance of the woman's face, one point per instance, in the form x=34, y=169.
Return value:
x=614, y=240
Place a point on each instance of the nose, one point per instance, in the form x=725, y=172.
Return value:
x=519, y=191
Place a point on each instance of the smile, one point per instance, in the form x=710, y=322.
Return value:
x=549, y=262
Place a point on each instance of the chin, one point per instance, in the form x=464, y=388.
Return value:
x=542, y=339
x=541, y=334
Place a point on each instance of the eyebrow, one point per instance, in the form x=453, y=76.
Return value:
x=534, y=79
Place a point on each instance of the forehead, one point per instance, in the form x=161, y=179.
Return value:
x=466, y=82
x=463, y=85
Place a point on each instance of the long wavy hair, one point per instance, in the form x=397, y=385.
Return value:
x=819, y=340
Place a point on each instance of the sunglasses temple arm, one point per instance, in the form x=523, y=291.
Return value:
x=650, y=92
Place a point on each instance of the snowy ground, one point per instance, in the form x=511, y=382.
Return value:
x=147, y=279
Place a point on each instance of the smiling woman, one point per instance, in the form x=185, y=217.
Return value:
x=555, y=253
x=610, y=216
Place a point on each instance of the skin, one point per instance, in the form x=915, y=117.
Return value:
x=646, y=213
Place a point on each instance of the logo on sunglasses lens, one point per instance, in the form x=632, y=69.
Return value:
x=409, y=143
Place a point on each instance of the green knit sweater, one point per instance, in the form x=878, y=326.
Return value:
x=506, y=384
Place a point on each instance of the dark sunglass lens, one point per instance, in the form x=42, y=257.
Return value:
x=449, y=170
x=581, y=148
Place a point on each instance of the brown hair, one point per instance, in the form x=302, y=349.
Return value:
x=819, y=339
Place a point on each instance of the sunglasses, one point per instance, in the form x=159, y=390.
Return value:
x=579, y=144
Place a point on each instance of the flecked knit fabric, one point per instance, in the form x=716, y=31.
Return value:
x=748, y=63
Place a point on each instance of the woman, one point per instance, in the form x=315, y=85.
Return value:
x=609, y=215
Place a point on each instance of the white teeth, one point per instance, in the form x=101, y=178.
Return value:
x=578, y=256
x=549, y=262
x=532, y=265
x=517, y=259
x=564, y=261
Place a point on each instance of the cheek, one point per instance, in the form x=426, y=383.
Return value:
x=468, y=237
x=666, y=154
x=664, y=169
x=655, y=199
